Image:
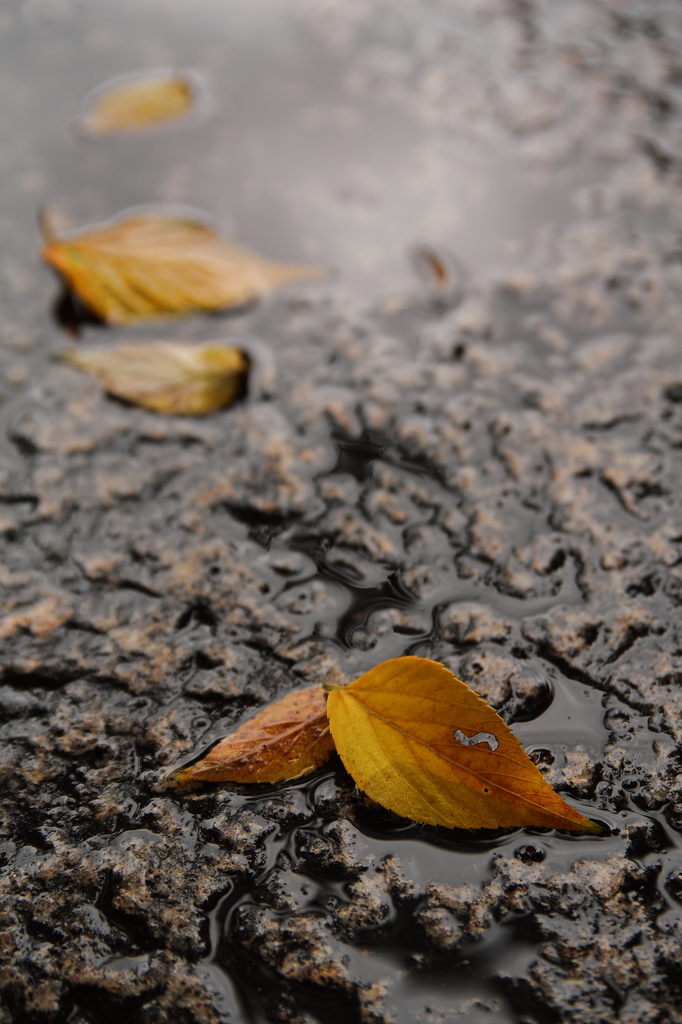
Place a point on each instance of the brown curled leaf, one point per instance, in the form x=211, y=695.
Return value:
x=421, y=743
x=283, y=741
x=147, y=267
x=176, y=378
x=440, y=273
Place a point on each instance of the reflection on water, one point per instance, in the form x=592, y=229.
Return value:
x=305, y=149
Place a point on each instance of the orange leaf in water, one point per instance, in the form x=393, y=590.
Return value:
x=147, y=267
x=172, y=377
x=283, y=741
x=419, y=742
x=138, y=103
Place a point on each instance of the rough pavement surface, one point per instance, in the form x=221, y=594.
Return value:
x=489, y=478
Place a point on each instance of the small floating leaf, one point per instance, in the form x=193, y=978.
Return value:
x=440, y=273
x=138, y=104
x=430, y=265
x=147, y=267
x=171, y=377
x=283, y=741
x=419, y=742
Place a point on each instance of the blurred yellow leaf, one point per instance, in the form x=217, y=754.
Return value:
x=283, y=741
x=419, y=742
x=171, y=377
x=138, y=104
x=147, y=267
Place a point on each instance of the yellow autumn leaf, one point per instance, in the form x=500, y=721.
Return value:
x=146, y=267
x=283, y=741
x=419, y=742
x=170, y=377
x=139, y=103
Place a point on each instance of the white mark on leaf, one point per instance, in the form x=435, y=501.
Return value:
x=480, y=738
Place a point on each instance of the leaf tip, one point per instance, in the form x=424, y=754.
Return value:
x=181, y=775
x=592, y=828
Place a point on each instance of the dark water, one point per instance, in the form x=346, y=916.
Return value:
x=569, y=714
x=298, y=153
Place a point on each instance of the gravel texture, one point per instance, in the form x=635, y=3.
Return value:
x=487, y=475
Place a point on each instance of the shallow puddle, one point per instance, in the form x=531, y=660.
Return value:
x=304, y=146
x=311, y=143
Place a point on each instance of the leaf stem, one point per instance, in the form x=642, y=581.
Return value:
x=46, y=225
